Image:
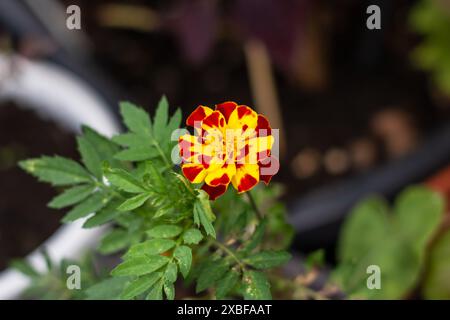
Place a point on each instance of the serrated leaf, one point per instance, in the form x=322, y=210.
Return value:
x=71, y=196
x=92, y=204
x=140, y=265
x=175, y=121
x=123, y=180
x=192, y=236
x=109, y=289
x=169, y=290
x=164, y=231
x=140, y=285
x=90, y=157
x=56, y=170
x=104, y=215
x=151, y=247
x=116, y=240
x=170, y=275
x=226, y=284
x=201, y=217
x=156, y=292
x=211, y=272
x=134, y=202
x=105, y=148
x=137, y=153
x=183, y=255
x=160, y=119
x=135, y=118
x=256, y=286
x=267, y=259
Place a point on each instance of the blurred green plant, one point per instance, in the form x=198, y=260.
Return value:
x=164, y=227
x=431, y=18
x=394, y=239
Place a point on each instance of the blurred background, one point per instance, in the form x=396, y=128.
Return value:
x=360, y=111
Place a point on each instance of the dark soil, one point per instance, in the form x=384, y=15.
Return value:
x=25, y=219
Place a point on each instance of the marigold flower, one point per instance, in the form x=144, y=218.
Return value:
x=231, y=144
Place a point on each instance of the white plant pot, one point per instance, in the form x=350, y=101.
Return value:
x=56, y=94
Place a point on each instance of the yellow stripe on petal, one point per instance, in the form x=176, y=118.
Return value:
x=220, y=175
x=244, y=118
x=195, y=173
x=246, y=177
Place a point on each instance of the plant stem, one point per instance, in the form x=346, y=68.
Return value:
x=224, y=248
x=254, y=206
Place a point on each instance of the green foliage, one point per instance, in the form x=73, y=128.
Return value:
x=163, y=227
x=437, y=281
x=395, y=242
x=432, y=20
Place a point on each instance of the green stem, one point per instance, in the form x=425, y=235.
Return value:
x=230, y=253
x=163, y=156
x=254, y=206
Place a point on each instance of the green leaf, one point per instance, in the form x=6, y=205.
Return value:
x=24, y=267
x=134, y=202
x=268, y=259
x=92, y=204
x=71, y=196
x=109, y=289
x=140, y=265
x=105, y=148
x=256, y=286
x=151, y=247
x=226, y=284
x=202, y=218
x=114, y=241
x=418, y=213
x=104, y=215
x=169, y=290
x=56, y=170
x=123, y=180
x=140, y=285
x=137, y=153
x=366, y=225
x=171, y=272
x=437, y=282
x=90, y=157
x=156, y=292
x=192, y=236
x=183, y=255
x=160, y=120
x=174, y=122
x=164, y=231
x=211, y=272
x=256, y=238
x=135, y=118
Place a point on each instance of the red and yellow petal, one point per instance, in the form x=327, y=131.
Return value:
x=263, y=127
x=197, y=116
x=215, y=120
x=214, y=192
x=246, y=177
x=268, y=168
x=243, y=118
x=194, y=172
x=222, y=174
x=226, y=108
